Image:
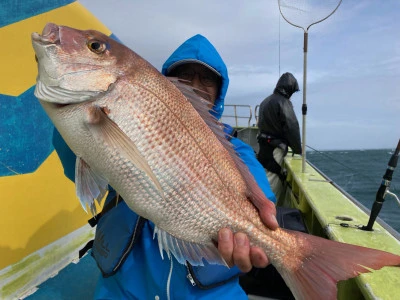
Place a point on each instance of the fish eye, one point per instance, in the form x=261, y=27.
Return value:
x=96, y=46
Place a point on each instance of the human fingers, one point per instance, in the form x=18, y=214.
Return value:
x=267, y=211
x=225, y=245
x=258, y=257
x=241, y=252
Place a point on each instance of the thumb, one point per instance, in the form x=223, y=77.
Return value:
x=267, y=212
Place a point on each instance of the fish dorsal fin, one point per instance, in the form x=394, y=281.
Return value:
x=187, y=251
x=89, y=185
x=106, y=130
x=202, y=106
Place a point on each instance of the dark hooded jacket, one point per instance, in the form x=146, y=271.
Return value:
x=276, y=114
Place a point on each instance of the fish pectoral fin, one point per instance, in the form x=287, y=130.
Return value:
x=188, y=251
x=107, y=130
x=89, y=185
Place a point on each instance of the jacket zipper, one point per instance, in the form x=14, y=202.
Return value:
x=139, y=225
x=190, y=277
x=169, y=279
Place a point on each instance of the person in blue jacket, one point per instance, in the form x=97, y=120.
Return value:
x=124, y=248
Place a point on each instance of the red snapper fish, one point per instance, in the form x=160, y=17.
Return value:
x=132, y=128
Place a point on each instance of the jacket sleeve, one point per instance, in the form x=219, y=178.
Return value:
x=290, y=127
x=248, y=156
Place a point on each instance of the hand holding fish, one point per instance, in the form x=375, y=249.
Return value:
x=236, y=249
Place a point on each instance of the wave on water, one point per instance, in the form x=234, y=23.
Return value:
x=360, y=172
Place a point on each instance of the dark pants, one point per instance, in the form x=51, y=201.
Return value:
x=266, y=157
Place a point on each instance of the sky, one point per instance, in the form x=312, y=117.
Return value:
x=353, y=60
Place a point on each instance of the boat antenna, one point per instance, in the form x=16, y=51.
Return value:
x=383, y=189
x=303, y=14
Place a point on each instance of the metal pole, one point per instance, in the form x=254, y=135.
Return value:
x=236, y=118
x=304, y=107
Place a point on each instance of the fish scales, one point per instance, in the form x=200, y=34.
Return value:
x=166, y=157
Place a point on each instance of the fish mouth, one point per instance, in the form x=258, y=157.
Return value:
x=50, y=35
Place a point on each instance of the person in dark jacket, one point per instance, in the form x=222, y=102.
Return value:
x=278, y=129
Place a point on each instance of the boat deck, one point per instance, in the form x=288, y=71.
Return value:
x=329, y=212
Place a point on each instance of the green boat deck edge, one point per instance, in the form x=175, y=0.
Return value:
x=325, y=208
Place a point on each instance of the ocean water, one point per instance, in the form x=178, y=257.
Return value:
x=360, y=172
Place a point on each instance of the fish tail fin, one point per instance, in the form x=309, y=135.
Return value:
x=314, y=271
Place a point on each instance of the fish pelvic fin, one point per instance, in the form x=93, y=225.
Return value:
x=105, y=129
x=89, y=186
x=321, y=263
x=184, y=251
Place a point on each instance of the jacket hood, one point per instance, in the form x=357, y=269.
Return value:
x=287, y=85
x=198, y=49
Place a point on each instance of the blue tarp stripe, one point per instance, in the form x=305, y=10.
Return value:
x=26, y=134
x=17, y=10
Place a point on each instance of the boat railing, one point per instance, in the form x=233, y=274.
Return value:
x=238, y=113
x=256, y=113
x=240, y=116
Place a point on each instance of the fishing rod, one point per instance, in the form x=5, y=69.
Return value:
x=383, y=189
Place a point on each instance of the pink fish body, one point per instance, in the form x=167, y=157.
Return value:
x=132, y=128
